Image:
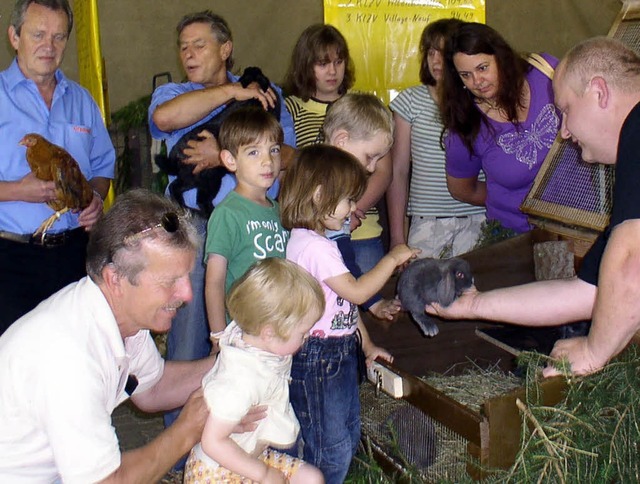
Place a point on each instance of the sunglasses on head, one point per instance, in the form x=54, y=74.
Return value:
x=170, y=222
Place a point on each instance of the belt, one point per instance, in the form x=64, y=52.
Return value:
x=453, y=216
x=44, y=240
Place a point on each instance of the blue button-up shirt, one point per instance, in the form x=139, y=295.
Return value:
x=169, y=91
x=74, y=122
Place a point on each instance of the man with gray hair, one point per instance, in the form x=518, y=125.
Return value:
x=597, y=89
x=36, y=97
x=205, y=46
x=67, y=364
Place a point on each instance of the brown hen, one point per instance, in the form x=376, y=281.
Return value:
x=50, y=162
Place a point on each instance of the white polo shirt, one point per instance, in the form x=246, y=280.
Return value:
x=63, y=368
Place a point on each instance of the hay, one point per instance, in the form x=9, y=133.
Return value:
x=593, y=435
x=475, y=385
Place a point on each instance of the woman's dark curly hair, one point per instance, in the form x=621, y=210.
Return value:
x=457, y=104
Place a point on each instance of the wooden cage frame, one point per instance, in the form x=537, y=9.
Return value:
x=494, y=433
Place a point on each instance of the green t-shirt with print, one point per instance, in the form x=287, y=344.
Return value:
x=244, y=232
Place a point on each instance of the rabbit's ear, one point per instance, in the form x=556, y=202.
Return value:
x=446, y=289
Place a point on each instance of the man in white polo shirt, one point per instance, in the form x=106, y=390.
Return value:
x=67, y=364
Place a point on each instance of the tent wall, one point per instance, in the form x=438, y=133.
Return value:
x=139, y=38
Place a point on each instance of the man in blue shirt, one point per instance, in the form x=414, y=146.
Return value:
x=206, y=48
x=35, y=96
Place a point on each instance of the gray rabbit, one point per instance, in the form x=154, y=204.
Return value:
x=432, y=280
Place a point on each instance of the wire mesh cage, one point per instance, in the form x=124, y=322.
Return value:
x=449, y=428
x=409, y=438
x=568, y=190
x=626, y=26
x=571, y=191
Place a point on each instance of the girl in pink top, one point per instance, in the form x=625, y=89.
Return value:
x=318, y=194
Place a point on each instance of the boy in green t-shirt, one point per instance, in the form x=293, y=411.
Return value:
x=245, y=226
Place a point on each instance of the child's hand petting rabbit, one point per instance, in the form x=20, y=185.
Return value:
x=402, y=253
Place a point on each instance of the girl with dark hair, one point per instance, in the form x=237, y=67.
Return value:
x=320, y=72
x=499, y=117
x=440, y=225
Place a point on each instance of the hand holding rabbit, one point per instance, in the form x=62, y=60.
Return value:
x=428, y=281
x=461, y=308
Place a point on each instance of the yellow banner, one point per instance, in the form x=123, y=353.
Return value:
x=89, y=53
x=90, y=66
x=384, y=37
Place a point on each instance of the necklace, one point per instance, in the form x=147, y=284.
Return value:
x=491, y=106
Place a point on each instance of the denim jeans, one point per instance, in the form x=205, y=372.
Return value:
x=188, y=338
x=324, y=395
x=368, y=252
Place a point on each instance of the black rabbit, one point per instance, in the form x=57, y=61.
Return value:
x=208, y=181
x=432, y=280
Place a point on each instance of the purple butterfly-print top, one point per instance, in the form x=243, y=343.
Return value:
x=510, y=157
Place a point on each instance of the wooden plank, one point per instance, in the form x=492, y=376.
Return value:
x=505, y=421
x=479, y=455
x=497, y=342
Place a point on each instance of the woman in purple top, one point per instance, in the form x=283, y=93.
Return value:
x=499, y=118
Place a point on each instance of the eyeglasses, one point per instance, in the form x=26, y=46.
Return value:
x=170, y=222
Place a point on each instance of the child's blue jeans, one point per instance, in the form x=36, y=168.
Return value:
x=324, y=395
x=368, y=252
